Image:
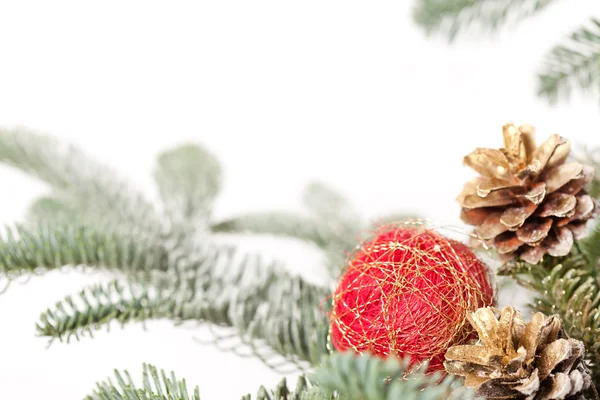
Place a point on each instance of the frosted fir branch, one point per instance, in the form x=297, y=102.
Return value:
x=366, y=377
x=276, y=223
x=451, y=17
x=340, y=377
x=189, y=179
x=333, y=212
x=572, y=64
x=50, y=246
x=156, y=385
x=263, y=304
x=92, y=187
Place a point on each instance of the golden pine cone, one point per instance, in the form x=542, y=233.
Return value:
x=514, y=360
x=528, y=201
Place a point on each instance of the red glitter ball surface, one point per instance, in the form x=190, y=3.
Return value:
x=406, y=293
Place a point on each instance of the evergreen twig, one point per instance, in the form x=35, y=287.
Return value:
x=157, y=385
x=340, y=377
x=366, y=377
x=262, y=303
x=453, y=16
x=278, y=224
x=90, y=186
x=51, y=246
x=189, y=179
x=576, y=63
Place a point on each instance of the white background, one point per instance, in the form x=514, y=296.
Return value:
x=284, y=93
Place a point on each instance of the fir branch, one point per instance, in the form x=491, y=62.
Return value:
x=595, y=187
x=92, y=187
x=100, y=304
x=304, y=391
x=367, y=377
x=339, y=219
x=332, y=219
x=453, y=16
x=53, y=246
x=333, y=224
x=157, y=385
x=189, y=178
x=576, y=63
x=591, y=157
x=275, y=223
x=590, y=246
x=333, y=211
x=340, y=377
x=263, y=304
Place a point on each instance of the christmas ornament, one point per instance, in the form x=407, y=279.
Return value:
x=528, y=201
x=406, y=293
x=514, y=360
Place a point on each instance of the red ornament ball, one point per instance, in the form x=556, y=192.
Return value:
x=406, y=293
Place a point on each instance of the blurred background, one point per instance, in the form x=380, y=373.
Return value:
x=348, y=93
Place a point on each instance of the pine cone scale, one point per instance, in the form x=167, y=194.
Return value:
x=490, y=163
x=561, y=175
x=536, y=194
x=560, y=244
x=514, y=143
x=556, y=352
x=579, y=229
x=559, y=388
x=533, y=232
x=507, y=243
x=514, y=217
x=491, y=226
x=584, y=208
x=542, y=155
x=502, y=197
x=557, y=205
x=533, y=255
x=473, y=358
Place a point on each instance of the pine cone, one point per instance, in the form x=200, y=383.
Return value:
x=511, y=360
x=528, y=201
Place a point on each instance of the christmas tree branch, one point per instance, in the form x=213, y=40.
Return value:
x=333, y=212
x=366, y=377
x=54, y=245
x=92, y=187
x=452, y=16
x=156, y=385
x=332, y=224
x=304, y=391
x=275, y=223
x=576, y=63
x=331, y=220
x=188, y=178
x=262, y=304
x=100, y=304
x=591, y=157
x=340, y=377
